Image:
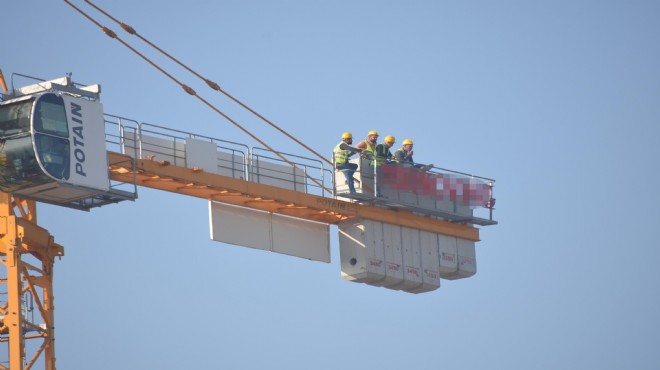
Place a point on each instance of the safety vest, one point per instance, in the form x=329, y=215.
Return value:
x=369, y=148
x=382, y=157
x=341, y=156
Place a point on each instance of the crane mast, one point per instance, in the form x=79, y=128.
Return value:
x=28, y=255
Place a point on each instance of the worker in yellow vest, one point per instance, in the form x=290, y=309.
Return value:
x=383, y=154
x=368, y=145
x=340, y=157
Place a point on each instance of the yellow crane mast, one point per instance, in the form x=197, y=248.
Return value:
x=21, y=240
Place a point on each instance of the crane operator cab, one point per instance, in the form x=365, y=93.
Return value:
x=52, y=146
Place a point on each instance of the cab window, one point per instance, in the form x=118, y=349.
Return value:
x=51, y=135
x=50, y=116
x=53, y=154
x=15, y=118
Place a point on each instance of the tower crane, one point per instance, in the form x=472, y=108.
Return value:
x=54, y=140
x=402, y=229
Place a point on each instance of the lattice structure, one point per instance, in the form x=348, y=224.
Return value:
x=28, y=254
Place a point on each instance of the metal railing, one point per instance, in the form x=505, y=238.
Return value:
x=490, y=203
x=442, y=192
x=453, y=195
x=237, y=160
x=308, y=175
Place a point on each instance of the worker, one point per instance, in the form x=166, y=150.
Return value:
x=368, y=145
x=405, y=156
x=383, y=154
x=340, y=156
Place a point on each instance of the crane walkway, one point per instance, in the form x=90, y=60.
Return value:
x=234, y=173
x=198, y=183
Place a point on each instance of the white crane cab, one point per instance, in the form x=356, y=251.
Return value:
x=52, y=146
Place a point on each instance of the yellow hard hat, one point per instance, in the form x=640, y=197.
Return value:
x=372, y=132
x=390, y=139
x=347, y=135
x=406, y=142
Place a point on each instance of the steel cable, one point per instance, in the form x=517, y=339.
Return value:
x=191, y=91
x=210, y=83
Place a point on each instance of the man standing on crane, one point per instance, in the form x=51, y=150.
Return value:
x=340, y=156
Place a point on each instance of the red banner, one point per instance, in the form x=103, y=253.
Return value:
x=468, y=191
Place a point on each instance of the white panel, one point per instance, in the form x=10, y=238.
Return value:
x=161, y=149
x=201, y=154
x=341, y=182
x=393, y=256
x=373, y=232
x=463, y=209
x=352, y=250
x=371, y=253
x=467, y=258
x=364, y=177
x=430, y=262
x=231, y=165
x=364, y=168
x=426, y=201
x=445, y=205
x=448, y=256
x=129, y=143
x=88, y=156
x=301, y=238
x=278, y=175
x=263, y=230
x=43, y=86
x=412, y=259
x=361, y=251
x=389, y=194
x=408, y=198
x=240, y=226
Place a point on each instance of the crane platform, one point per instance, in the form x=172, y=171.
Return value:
x=195, y=182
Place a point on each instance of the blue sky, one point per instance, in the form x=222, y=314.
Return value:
x=559, y=101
